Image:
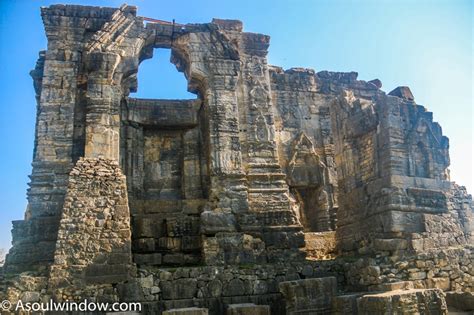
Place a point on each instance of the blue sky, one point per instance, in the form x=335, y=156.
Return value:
x=427, y=45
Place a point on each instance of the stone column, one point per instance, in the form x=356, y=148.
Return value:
x=103, y=107
x=227, y=176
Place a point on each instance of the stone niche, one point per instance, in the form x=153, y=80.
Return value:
x=162, y=156
x=306, y=147
x=308, y=182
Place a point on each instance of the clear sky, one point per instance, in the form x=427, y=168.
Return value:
x=427, y=45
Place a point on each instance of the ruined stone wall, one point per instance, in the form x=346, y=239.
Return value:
x=214, y=287
x=306, y=146
x=94, y=238
x=445, y=269
x=230, y=180
x=58, y=82
x=161, y=155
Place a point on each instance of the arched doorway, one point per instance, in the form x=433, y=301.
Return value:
x=163, y=157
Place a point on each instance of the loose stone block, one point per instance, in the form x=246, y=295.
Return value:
x=179, y=289
x=403, y=92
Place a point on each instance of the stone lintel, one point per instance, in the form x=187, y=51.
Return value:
x=179, y=114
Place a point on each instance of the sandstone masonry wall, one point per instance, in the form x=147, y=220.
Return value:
x=210, y=199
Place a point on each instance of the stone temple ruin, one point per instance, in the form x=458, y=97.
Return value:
x=273, y=191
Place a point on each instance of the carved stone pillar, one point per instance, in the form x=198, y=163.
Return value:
x=103, y=105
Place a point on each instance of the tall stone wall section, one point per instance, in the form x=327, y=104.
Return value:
x=56, y=77
x=306, y=146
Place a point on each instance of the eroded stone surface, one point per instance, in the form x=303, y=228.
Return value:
x=416, y=301
x=309, y=296
x=210, y=199
x=94, y=239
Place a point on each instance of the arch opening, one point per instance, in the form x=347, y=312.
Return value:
x=163, y=156
x=158, y=78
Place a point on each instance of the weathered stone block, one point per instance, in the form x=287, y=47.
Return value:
x=191, y=243
x=145, y=245
x=309, y=295
x=148, y=228
x=234, y=287
x=416, y=301
x=393, y=244
x=179, y=289
x=281, y=239
x=173, y=259
x=345, y=304
x=439, y=283
x=187, y=311
x=148, y=259
x=214, y=222
x=417, y=275
x=248, y=309
x=402, y=92
x=392, y=286
x=170, y=243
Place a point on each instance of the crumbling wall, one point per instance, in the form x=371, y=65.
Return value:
x=58, y=78
x=94, y=238
x=231, y=180
x=385, y=198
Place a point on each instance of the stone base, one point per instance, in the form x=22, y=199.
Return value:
x=416, y=301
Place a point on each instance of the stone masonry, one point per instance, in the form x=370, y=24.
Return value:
x=272, y=192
